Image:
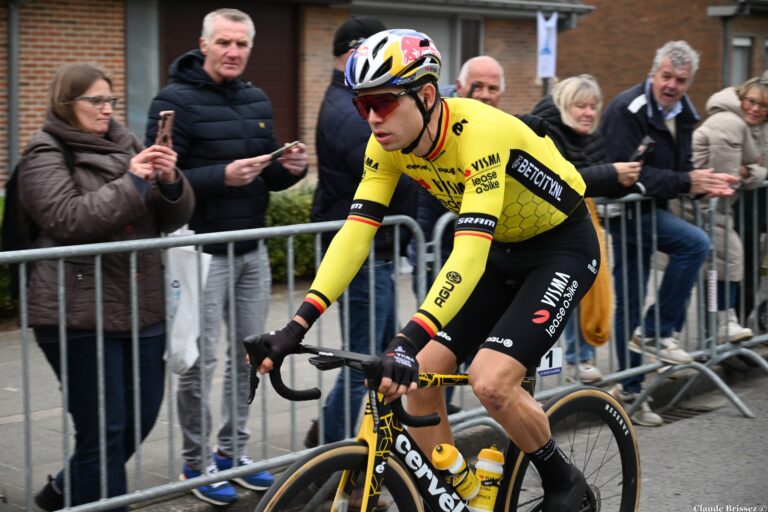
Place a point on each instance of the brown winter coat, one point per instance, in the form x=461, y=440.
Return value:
x=96, y=202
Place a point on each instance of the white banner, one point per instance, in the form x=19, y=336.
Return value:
x=547, y=47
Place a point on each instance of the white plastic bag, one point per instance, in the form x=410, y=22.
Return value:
x=183, y=303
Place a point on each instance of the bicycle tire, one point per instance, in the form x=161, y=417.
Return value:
x=608, y=457
x=311, y=476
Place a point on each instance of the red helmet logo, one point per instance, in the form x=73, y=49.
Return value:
x=540, y=316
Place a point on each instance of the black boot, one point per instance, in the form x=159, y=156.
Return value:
x=312, y=438
x=49, y=498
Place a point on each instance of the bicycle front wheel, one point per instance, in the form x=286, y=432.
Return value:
x=310, y=484
x=593, y=429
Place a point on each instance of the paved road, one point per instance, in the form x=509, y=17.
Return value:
x=712, y=461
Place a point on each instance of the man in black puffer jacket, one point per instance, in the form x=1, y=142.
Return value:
x=341, y=137
x=223, y=134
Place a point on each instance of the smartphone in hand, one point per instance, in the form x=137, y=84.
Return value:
x=165, y=128
x=645, y=147
x=288, y=145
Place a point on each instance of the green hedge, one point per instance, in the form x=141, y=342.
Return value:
x=289, y=207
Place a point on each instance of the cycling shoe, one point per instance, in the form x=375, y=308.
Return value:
x=567, y=497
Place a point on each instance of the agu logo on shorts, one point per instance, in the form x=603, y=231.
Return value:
x=540, y=316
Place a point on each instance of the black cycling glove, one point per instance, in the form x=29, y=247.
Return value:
x=284, y=341
x=398, y=361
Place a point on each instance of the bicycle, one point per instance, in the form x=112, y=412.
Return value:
x=590, y=426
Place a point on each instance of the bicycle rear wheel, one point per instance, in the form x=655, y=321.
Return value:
x=310, y=483
x=595, y=432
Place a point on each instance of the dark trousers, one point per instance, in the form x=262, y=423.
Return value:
x=83, y=405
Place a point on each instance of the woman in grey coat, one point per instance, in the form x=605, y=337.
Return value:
x=84, y=178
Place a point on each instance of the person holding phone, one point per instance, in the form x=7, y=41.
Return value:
x=84, y=178
x=223, y=135
x=573, y=111
x=658, y=107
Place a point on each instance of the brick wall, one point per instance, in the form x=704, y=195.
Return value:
x=318, y=25
x=513, y=44
x=53, y=32
x=617, y=42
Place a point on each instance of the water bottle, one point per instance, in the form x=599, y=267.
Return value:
x=489, y=470
x=449, y=460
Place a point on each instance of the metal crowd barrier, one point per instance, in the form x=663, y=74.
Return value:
x=278, y=446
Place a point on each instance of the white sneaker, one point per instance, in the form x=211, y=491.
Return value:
x=589, y=374
x=729, y=330
x=644, y=416
x=665, y=349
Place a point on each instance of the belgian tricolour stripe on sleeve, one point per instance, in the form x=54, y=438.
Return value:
x=368, y=212
x=476, y=224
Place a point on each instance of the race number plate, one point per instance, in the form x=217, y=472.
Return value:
x=551, y=363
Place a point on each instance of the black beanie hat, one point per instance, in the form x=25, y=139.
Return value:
x=354, y=31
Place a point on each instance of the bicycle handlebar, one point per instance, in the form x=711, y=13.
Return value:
x=369, y=365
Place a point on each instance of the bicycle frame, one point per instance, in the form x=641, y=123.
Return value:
x=385, y=435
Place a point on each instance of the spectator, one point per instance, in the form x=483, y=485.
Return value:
x=223, y=134
x=573, y=110
x=341, y=140
x=660, y=108
x=84, y=178
x=753, y=201
x=731, y=141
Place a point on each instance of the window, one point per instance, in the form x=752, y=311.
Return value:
x=741, y=56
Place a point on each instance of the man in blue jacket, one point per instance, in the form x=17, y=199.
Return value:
x=660, y=108
x=223, y=134
x=341, y=138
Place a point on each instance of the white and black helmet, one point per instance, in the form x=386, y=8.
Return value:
x=397, y=58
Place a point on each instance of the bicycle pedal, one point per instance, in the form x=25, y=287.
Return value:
x=326, y=362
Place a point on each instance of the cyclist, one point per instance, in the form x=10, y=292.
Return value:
x=524, y=253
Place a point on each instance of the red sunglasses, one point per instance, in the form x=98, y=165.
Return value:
x=383, y=104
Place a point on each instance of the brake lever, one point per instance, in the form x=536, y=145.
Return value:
x=257, y=352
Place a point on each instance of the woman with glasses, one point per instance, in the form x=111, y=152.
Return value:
x=84, y=178
x=573, y=112
x=731, y=141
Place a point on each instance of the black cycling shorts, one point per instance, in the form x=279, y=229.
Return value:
x=527, y=292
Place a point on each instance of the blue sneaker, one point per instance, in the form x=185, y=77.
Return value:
x=219, y=493
x=260, y=481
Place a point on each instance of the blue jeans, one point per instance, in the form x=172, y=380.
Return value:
x=586, y=351
x=118, y=393
x=687, y=247
x=337, y=406
x=252, y=284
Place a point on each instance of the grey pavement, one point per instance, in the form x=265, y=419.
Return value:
x=278, y=427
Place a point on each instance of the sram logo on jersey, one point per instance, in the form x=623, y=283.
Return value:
x=449, y=501
x=476, y=222
x=451, y=280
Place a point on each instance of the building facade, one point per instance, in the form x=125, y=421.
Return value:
x=291, y=60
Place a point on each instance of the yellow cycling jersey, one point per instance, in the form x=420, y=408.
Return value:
x=504, y=182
